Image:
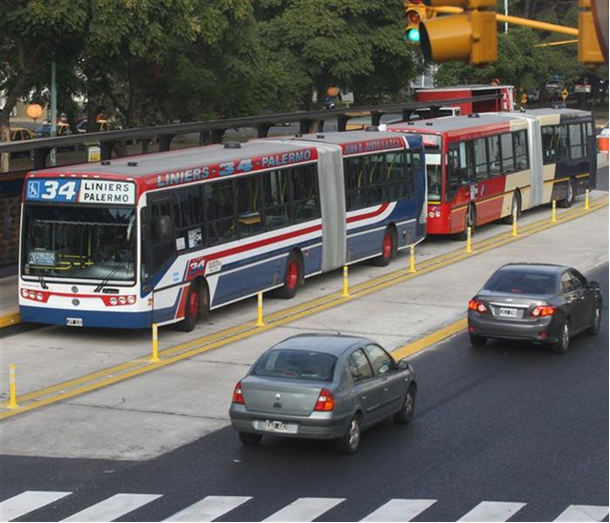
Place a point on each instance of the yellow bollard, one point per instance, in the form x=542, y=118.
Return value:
x=155, y=344
x=587, y=200
x=412, y=257
x=345, y=282
x=469, y=239
x=554, y=214
x=259, y=311
x=515, y=224
x=12, y=404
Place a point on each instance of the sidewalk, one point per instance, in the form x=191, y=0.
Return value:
x=162, y=410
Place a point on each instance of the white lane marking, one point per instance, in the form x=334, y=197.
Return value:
x=209, y=508
x=27, y=502
x=305, y=509
x=583, y=513
x=492, y=511
x=113, y=507
x=400, y=510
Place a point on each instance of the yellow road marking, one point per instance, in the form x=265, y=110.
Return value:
x=204, y=344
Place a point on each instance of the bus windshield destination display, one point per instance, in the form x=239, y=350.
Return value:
x=80, y=191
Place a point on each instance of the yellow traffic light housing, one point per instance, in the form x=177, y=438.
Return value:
x=471, y=36
x=589, y=48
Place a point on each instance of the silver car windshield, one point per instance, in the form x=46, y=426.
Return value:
x=296, y=364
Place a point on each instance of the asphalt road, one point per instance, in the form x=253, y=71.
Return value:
x=509, y=423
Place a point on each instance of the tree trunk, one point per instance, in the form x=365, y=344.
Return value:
x=5, y=136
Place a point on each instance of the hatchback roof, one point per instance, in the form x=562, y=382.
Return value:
x=335, y=344
x=548, y=268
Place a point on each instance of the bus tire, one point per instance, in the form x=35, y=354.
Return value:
x=388, y=248
x=514, y=206
x=197, y=306
x=293, y=277
x=470, y=220
x=567, y=202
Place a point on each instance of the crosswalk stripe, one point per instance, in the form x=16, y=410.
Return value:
x=492, y=511
x=583, y=513
x=400, y=510
x=113, y=508
x=209, y=508
x=28, y=501
x=305, y=509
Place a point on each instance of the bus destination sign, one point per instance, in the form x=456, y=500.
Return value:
x=84, y=191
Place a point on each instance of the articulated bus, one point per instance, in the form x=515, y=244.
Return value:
x=486, y=167
x=164, y=238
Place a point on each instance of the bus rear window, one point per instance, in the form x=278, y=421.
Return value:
x=296, y=364
x=519, y=282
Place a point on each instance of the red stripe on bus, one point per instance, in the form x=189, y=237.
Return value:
x=372, y=214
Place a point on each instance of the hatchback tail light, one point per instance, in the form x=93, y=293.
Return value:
x=238, y=395
x=543, y=310
x=477, y=306
x=326, y=401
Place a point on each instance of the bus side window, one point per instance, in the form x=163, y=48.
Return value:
x=548, y=144
x=493, y=146
x=480, y=159
x=521, y=151
x=508, y=154
x=277, y=200
x=576, y=142
x=454, y=171
x=219, y=211
x=162, y=233
x=561, y=143
x=354, y=182
x=305, y=193
x=248, y=193
x=144, y=245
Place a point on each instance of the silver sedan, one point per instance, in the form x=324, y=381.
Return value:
x=322, y=387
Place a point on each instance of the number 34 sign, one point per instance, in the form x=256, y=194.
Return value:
x=52, y=190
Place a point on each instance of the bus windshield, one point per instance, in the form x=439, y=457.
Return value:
x=433, y=147
x=90, y=243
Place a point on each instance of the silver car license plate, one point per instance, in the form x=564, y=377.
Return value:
x=278, y=426
x=74, y=322
x=507, y=312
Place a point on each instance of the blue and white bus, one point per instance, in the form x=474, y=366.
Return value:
x=164, y=238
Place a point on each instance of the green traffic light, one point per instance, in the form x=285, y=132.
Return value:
x=413, y=35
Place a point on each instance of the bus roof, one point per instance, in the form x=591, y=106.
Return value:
x=454, y=124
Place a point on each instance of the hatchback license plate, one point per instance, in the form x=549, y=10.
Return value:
x=508, y=313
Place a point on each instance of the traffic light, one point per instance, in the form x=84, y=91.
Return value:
x=471, y=35
x=589, y=49
x=416, y=12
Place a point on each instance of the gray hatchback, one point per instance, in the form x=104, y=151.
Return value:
x=322, y=387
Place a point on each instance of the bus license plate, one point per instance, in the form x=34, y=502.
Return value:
x=74, y=322
x=508, y=313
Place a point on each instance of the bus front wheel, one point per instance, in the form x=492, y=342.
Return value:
x=388, y=248
x=197, y=306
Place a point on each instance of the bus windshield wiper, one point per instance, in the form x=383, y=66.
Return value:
x=110, y=275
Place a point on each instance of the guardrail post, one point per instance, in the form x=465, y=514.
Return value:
x=12, y=404
x=345, y=282
x=587, y=207
x=554, y=213
x=259, y=311
x=412, y=258
x=469, y=239
x=155, y=344
x=515, y=233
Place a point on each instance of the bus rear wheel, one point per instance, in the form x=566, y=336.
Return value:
x=388, y=249
x=197, y=307
x=570, y=195
x=515, y=208
x=292, y=277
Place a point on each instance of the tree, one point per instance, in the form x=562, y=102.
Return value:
x=28, y=29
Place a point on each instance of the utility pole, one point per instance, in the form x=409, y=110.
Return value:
x=53, y=155
x=505, y=14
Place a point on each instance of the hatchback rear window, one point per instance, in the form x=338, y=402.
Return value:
x=296, y=364
x=520, y=282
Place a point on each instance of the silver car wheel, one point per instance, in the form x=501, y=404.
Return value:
x=597, y=319
x=565, y=337
x=409, y=404
x=354, y=433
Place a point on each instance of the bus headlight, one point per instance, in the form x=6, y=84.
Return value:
x=122, y=300
x=113, y=301
x=131, y=300
x=24, y=293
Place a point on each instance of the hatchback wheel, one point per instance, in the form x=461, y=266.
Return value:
x=248, y=438
x=597, y=321
x=405, y=416
x=563, y=344
x=349, y=443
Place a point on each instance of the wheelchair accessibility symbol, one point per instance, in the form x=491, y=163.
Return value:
x=34, y=190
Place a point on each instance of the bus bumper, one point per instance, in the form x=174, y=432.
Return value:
x=72, y=318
